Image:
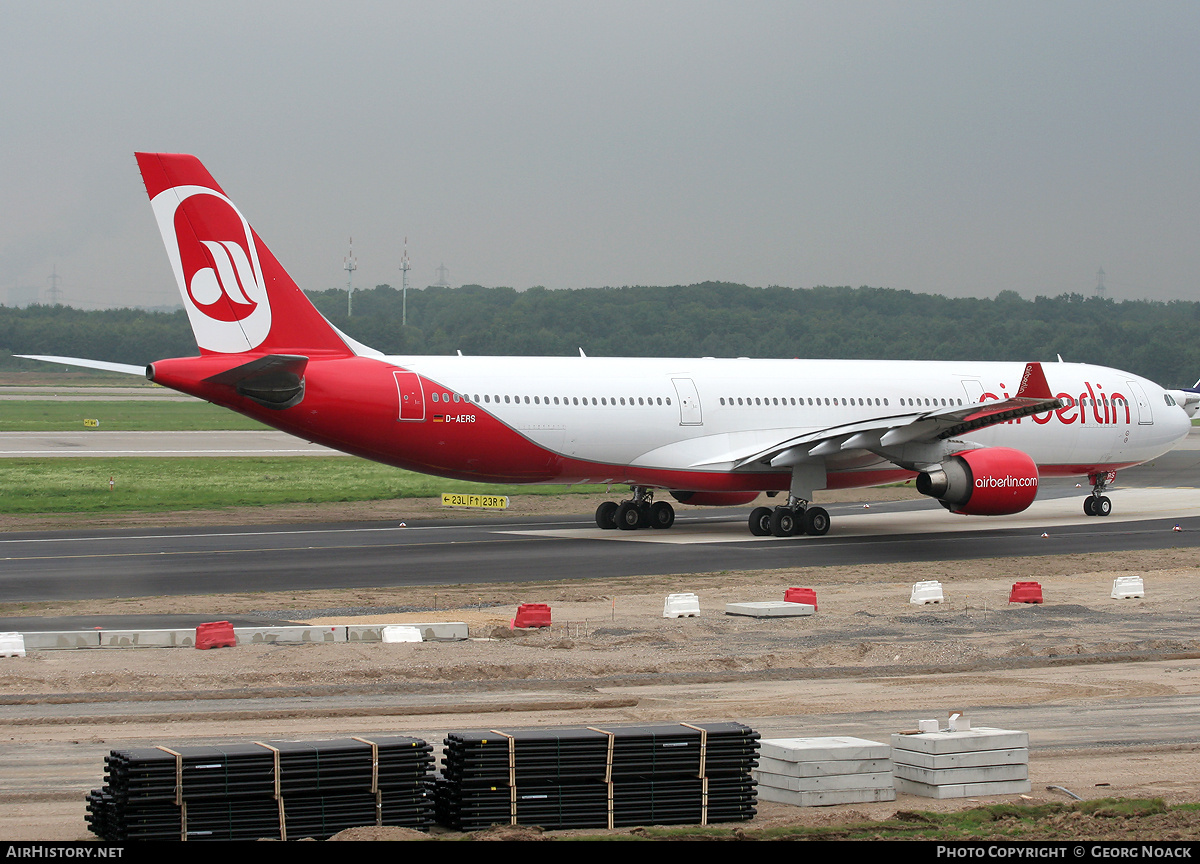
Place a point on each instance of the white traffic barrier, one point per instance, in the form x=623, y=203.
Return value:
x=1127, y=587
x=926, y=592
x=12, y=645
x=400, y=633
x=681, y=606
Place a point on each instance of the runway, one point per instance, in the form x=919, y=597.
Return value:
x=41, y=445
x=1150, y=502
x=132, y=563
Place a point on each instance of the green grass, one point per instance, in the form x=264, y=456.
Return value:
x=141, y=484
x=151, y=484
x=152, y=416
x=994, y=822
x=80, y=485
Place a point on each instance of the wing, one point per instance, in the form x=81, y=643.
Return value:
x=910, y=440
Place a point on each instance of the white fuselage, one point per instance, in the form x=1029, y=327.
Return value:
x=708, y=414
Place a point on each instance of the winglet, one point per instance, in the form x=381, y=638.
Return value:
x=1033, y=383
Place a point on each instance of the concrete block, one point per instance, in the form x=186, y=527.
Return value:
x=62, y=640
x=835, y=782
x=981, y=738
x=770, y=609
x=960, y=776
x=289, y=635
x=825, y=799
x=974, y=759
x=828, y=768
x=835, y=748
x=438, y=631
x=964, y=790
x=177, y=638
x=963, y=763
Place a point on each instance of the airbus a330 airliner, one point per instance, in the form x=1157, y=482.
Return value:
x=976, y=436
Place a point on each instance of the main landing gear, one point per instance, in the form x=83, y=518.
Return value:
x=639, y=511
x=1097, y=504
x=795, y=517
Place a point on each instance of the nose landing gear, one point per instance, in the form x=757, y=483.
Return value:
x=1097, y=504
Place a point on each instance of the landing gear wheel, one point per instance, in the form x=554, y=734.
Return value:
x=816, y=521
x=1103, y=506
x=760, y=521
x=662, y=515
x=783, y=522
x=629, y=517
x=1089, y=506
x=606, y=515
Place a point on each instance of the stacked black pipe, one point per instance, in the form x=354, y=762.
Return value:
x=278, y=789
x=598, y=777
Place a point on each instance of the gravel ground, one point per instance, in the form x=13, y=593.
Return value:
x=611, y=657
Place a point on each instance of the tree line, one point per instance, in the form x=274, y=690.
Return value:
x=1151, y=338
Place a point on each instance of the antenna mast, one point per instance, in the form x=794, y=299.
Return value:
x=350, y=264
x=404, y=268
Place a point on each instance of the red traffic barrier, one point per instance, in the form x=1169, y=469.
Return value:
x=532, y=615
x=801, y=595
x=215, y=634
x=1026, y=592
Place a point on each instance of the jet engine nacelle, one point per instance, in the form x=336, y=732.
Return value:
x=993, y=481
x=714, y=499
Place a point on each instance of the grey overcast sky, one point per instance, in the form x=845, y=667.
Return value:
x=962, y=148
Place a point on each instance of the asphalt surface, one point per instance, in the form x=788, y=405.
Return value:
x=1150, y=503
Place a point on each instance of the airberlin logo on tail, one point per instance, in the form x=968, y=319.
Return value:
x=225, y=281
x=215, y=260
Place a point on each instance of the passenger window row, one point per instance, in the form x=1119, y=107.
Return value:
x=731, y=401
x=488, y=399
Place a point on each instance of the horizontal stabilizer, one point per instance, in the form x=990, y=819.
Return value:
x=123, y=368
x=275, y=381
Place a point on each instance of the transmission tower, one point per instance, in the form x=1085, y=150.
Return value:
x=350, y=264
x=54, y=291
x=404, y=268
x=1100, y=282
x=442, y=271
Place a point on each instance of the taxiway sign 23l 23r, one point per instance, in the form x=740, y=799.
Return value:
x=976, y=436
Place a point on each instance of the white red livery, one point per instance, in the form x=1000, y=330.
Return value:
x=977, y=436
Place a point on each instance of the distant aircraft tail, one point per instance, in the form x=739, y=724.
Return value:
x=238, y=297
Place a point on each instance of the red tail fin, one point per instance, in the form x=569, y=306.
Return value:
x=238, y=297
